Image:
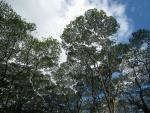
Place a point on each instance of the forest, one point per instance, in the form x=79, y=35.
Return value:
x=100, y=74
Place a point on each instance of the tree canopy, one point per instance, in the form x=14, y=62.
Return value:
x=100, y=75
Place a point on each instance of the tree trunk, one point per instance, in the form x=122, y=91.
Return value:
x=146, y=110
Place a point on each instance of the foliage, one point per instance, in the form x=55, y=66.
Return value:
x=99, y=75
x=22, y=57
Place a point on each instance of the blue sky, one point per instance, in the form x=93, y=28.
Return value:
x=139, y=12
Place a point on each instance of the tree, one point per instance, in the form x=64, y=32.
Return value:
x=137, y=61
x=99, y=76
x=22, y=59
x=92, y=56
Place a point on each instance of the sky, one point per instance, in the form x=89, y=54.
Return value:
x=139, y=13
x=52, y=16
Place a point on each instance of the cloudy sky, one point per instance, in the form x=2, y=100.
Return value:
x=51, y=16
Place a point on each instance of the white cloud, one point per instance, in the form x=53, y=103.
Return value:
x=51, y=16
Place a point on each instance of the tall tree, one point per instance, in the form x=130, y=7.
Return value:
x=92, y=56
x=22, y=59
x=137, y=65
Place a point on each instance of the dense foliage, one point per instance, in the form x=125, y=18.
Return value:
x=99, y=75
